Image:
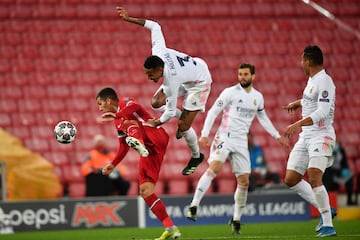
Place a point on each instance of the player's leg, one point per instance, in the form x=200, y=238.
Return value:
x=202, y=187
x=194, y=101
x=149, y=168
x=296, y=167
x=325, y=225
x=135, y=137
x=159, y=98
x=158, y=102
x=240, y=165
x=219, y=152
x=190, y=136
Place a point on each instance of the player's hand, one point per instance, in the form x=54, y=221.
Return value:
x=291, y=129
x=106, y=117
x=284, y=143
x=107, y=169
x=292, y=107
x=123, y=13
x=204, y=141
x=154, y=122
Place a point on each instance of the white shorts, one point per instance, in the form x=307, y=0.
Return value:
x=195, y=96
x=311, y=153
x=223, y=148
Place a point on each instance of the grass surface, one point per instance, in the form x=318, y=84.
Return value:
x=290, y=230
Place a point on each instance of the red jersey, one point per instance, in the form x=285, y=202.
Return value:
x=155, y=138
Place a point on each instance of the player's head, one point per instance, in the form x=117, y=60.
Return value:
x=107, y=100
x=312, y=57
x=246, y=74
x=154, y=68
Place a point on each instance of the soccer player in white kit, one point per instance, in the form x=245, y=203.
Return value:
x=239, y=105
x=182, y=75
x=313, y=150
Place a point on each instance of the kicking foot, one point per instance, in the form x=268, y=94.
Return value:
x=137, y=146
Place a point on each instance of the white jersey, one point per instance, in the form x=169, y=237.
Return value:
x=239, y=110
x=180, y=69
x=318, y=102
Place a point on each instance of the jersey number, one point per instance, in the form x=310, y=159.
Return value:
x=185, y=59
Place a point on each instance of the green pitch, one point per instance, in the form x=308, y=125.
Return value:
x=291, y=230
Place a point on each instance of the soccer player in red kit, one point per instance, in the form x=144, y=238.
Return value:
x=130, y=120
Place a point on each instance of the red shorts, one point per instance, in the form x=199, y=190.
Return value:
x=156, y=141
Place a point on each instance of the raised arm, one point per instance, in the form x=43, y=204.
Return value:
x=124, y=15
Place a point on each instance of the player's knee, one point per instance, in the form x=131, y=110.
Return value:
x=290, y=181
x=243, y=180
x=157, y=102
x=146, y=190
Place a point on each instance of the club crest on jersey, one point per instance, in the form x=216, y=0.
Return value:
x=255, y=102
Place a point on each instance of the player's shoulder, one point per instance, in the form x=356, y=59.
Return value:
x=230, y=91
x=256, y=92
x=125, y=100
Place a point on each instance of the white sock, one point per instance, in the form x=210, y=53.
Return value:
x=192, y=142
x=202, y=186
x=322, y=198
x=303, y=188
x=240, y=198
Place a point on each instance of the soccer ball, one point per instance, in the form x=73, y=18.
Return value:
x=65, y=132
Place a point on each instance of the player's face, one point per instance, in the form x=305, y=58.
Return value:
x=305, y=63
x=245, y=78
x=104, y=105
x=154, y=74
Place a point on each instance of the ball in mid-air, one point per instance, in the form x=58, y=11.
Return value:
x=65, y=132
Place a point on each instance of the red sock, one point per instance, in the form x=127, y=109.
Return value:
x=158, y=208
x=133, y=130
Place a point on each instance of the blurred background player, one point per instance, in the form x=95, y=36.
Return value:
x=240, y=104
x=260, y=173
x=314, y=148
x=182, y=75
x=96, y=183
x=130, y=120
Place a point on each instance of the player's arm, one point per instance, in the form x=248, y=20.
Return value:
x=170, y=90
x=157, y=37
x=120, y=154
x=266, y=123
x=219, y=105
x=293, y=128
x=293, y=106
x=124, y=15
x=130, y=108
x=326, y=97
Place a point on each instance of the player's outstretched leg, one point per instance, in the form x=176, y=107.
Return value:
x=192, y=165
x=137, y=146
x=170, y=234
